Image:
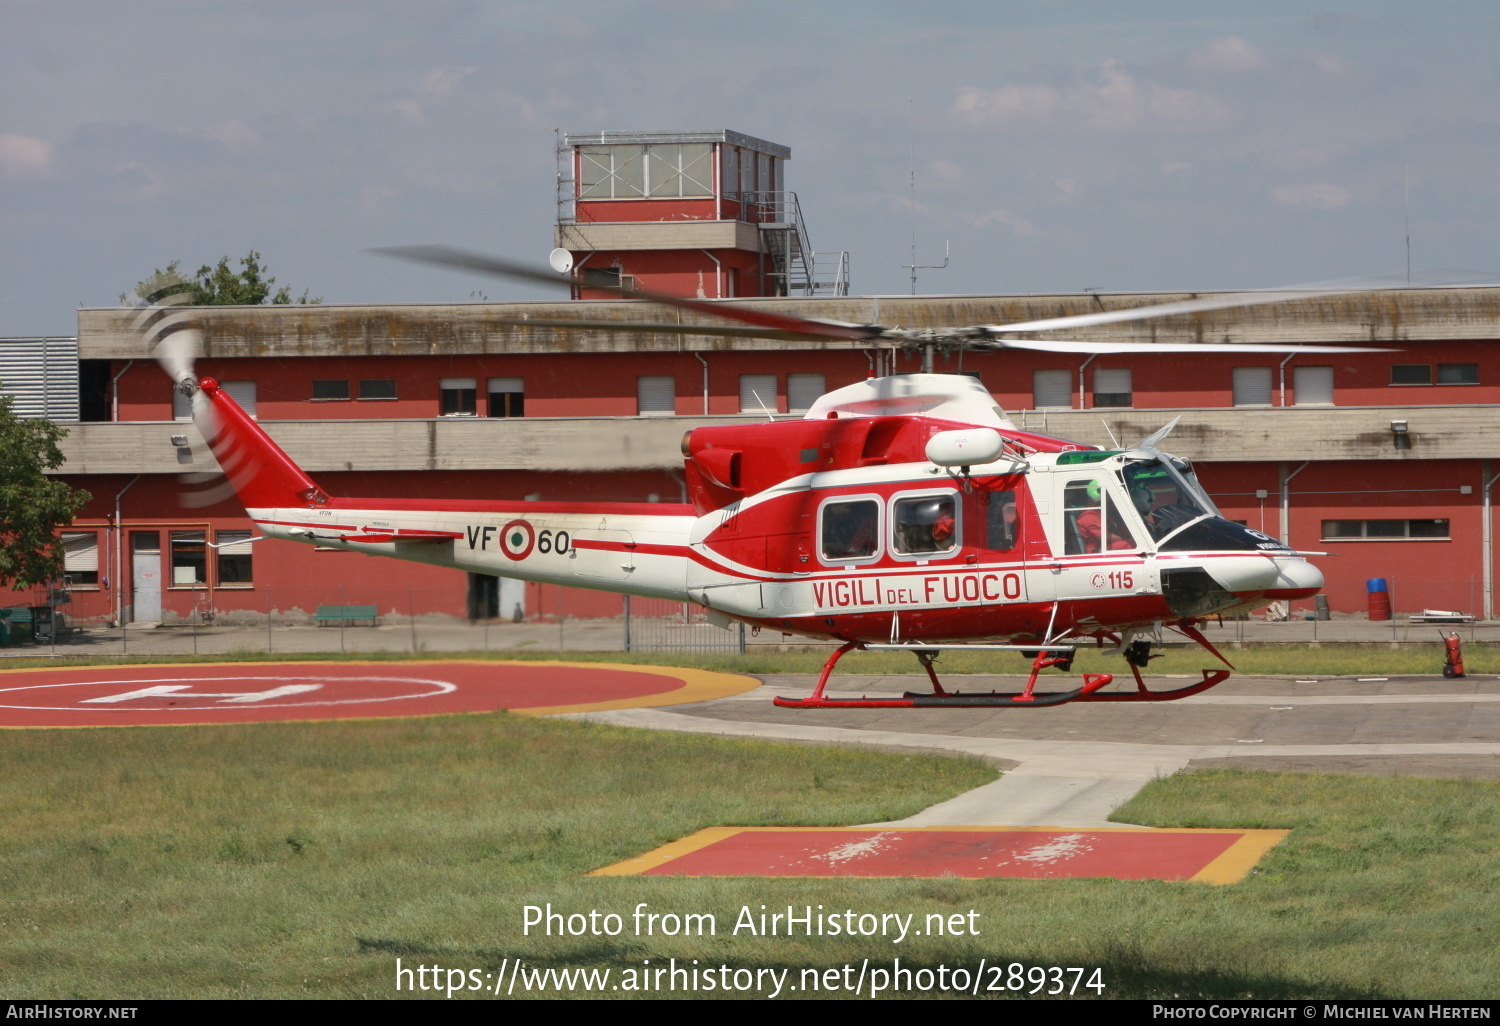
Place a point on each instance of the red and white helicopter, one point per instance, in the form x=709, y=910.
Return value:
x=904, y=512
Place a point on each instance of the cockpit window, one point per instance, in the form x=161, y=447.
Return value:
x=1164, y=498
x=925, y=525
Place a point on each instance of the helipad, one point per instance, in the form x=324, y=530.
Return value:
x=99, y=696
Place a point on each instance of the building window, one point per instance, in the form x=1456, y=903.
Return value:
x=1052, y=389
x=802, y=390
x=81, y=559
x=1312, y=386
x=458, y=397
x=634, y=171
x=242, y=392
x=507, y=397
x=1458, y=374
x=1384, y=530
x=757, y=393
x=330, y=389
x=656, y=395
x=189, y=560
x=232, y=559
x=1411, y=374
x=1112, y=387
x=377, y=388
x=1252, y=386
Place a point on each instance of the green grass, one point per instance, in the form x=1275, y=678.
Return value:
x=284, y=860
x=1274, y=660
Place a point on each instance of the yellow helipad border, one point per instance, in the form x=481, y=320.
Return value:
x=1230, y=867
x=698, y=686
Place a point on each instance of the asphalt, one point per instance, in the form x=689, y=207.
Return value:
x=1071, y=766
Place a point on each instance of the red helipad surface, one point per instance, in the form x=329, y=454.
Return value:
x=1128, y=853
x=242, y=692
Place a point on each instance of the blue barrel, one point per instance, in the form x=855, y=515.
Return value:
x=1376, y=584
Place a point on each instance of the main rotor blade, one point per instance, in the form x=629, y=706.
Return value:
x=664, y=327
x=447, y=257
x=1230, y=300
x=1061, y=346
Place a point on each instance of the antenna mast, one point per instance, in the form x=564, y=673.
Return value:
x=911, y=135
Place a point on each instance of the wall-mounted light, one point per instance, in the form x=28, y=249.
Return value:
x=1400, y=434
x=180, y=441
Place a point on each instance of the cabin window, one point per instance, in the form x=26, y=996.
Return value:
x=81, y=559
x=507, y=397
x=1001, y=518
x=458, y=397
x=330, y=389
x=925, y=525
x=232, y=558
x=1094, y=523
x=758, y=393
x=850, y=529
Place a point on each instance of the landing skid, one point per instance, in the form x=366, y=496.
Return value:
x=1060, y=656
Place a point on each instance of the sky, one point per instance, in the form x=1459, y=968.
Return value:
x=1054, y=146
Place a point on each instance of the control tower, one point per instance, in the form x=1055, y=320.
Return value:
x=702, y=214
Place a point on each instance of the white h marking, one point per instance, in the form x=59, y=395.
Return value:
x=227, y=697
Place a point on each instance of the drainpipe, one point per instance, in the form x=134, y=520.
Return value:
x=1281, y=370
x=1488, y=534
x=1286, y=501
x=705, y=383
x=119, y=533
x=114, y=391
x=718, y=273
x=1081, y=366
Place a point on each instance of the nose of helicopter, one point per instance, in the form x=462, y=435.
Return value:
x=1296, y=578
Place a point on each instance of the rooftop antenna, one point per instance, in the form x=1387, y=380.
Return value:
x=911, y=134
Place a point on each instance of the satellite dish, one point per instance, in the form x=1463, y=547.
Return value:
x=561, y=261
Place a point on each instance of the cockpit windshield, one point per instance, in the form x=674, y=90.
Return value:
x=1166, y=498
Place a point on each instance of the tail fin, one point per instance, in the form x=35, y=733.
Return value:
x=262, y=474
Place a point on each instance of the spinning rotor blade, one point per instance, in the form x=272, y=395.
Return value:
x=1061, y=346
x=678, y=328
x=801, y=327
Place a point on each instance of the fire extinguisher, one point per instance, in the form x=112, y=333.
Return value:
x=1454, y=667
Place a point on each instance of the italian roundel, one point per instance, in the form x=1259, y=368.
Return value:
x=517, y=539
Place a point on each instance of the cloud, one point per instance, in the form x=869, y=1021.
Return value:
x=1322, y=195
x=441, y=81
x=1227, y=53
x=1015, y=222
x=1117, y=102
x=25, y=156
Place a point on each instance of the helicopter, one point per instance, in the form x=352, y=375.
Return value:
x=902, y=513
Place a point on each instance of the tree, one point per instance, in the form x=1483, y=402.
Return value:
x=32, y=505
x=219, y=286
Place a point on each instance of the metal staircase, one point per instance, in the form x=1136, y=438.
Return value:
x=791, y=264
